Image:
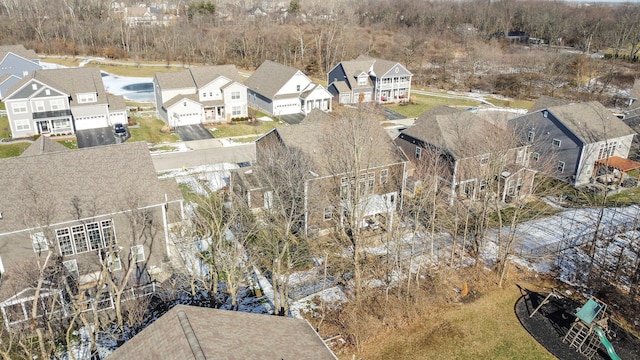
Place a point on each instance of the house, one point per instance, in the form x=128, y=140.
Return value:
x=469, y=155
x=15, y=63
x=282, y=90
x=80, y=209
x=61, y=101
x=368, y=79
x=147, y=16
x=200, y=95
x=380, y=177
x=567, y=140
x=205, y=333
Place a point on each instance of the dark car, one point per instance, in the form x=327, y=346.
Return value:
x=119, y=129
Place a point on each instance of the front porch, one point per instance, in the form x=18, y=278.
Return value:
x=54, y=126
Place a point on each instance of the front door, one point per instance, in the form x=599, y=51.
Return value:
x=44, y=127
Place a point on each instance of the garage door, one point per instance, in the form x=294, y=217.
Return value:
x=91, y=122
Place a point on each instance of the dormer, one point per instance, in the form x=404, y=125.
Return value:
x=362, y=78
x=84, y=98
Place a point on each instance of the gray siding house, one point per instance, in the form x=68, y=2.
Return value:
x=16, y=62
x=282, y=90
x=200, y=95
x=61, y=101
x=368, y=79
x=567, y=140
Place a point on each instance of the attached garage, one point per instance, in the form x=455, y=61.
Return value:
x=89, y=118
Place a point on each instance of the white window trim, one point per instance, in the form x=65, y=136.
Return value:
x=19, y=108
x=39, y=242
x=137, y=253
x=72, y=266
x=22, y=124
x=328, y=213
x=556, y=142
x=418, y=152
x=561, y=165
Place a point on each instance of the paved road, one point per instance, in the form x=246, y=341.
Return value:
x=205, y=153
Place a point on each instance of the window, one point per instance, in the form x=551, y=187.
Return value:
x=39, y=105
x=297, y=87
x=236, y=110
x=107, y=233
x=79, y=238
x=60, y=123
x=57, y=104
x=535, y=156
x=531, y=136
x=607, y=150
x=519, y=156
x=418, y=152
x=210, y=93
x=560, y=166
x=93, y=233
x=511, y=188
x=22, y=124
x=362, y=80
x=64, y=242
x=72, y=267
x=483, y=185
x=34, y=86
x=556, y=142
x=384, y=176
x=519, y=185
x=39, y=242
x=86, y=98
x=268, y=199
x=114, y=262
x=19, y=108
x=235, y=95
x=328, y=213
x=484, y=160
x=137, y=253
x=372, y=181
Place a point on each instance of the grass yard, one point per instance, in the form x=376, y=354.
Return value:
x=69, y=143
x=68, y=61
x=149, y=130
x=240, y=129
x=486, y=328
x=422, y=103
x=5, y=130
x=13, y=149
x=2, y=107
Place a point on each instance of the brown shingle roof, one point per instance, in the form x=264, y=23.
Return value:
x=269, y=78
x=98, y=177
x=317, y=128
x=189, y=332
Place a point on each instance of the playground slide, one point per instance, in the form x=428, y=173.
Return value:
x=607, y=344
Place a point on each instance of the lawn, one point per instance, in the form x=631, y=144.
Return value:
x=422, y=103
x=150, y=130
x=241, y=129
x=68, y=61
x=5, y=130
x=485, y=328
x=13, y=149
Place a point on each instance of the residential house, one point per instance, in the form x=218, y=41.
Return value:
x=368, y=79
x=380, y=177
x=282, y=90
x=147, y=16
x=82, y=211
x=470, y=156
x=567, y=140
x=15, y=63
x=205, y=333
x=61, y=101
x=200, y=95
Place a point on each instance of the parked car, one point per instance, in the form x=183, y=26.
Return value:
x=119, y=129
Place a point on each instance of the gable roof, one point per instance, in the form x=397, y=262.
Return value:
x=205, y=333
x=379, y=66
x=545, y=101
x=270, y=77
x=32, y=186
x=19, y=50
x=313, y=131
x=175, y=79
x=591, y=121
x=203, y=75
x=71, y=81
x=463, y=134
x=42, y=145
x=116, y=103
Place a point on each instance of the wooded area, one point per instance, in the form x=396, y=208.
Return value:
x=451, y=45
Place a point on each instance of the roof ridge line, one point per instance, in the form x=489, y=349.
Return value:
x=194, y=344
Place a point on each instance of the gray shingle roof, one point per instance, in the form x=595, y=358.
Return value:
x=175, y=80
x=269, y=78
x=317, y=128
x=116, y=102
x=99, y=177
x=591, y=121
x=380, y=66
x=203, y=75
x=189, y=332
x=545, y=101
x=42, y=145
x=19, y=50
x=461, y=133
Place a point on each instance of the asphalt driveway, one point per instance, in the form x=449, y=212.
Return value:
x=193, y=132
x=292, y=119
x=392, y=115
x=100, y=137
